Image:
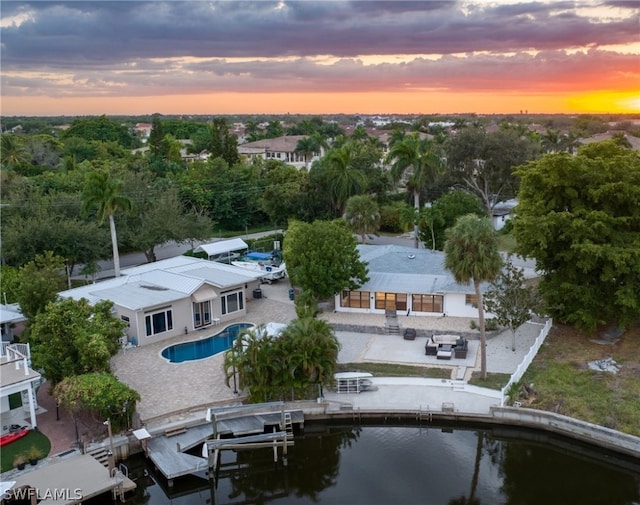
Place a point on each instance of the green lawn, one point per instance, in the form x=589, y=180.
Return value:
x=563, y=382
x=395, y=370
x=21, y=446
x=506, y=243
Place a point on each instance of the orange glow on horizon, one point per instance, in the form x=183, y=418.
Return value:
x=607, y=102
x=427, y=102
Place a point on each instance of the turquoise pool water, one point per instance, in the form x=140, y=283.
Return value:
x=205, y=348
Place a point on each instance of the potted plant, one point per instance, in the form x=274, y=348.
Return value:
x=34, y=454
x=19, y=462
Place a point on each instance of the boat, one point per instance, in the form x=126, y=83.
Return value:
x=270, y=271
x=12, y=436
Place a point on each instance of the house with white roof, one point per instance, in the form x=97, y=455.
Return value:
x=12, y=322
x=174, y=296
x=407, y=280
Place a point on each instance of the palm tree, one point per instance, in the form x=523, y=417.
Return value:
x=362, y=215
x=103, y=193
x=471, y=255
x=314, y=351
x=414, y=156
x=13, y=151
x=344, y=179
x=307, y=147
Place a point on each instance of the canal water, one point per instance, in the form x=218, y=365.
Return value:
x=397, y=465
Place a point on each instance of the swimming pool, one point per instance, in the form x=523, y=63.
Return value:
x=205, y=348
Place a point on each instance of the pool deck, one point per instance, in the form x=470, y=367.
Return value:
x=172, y=391
x=171, y=388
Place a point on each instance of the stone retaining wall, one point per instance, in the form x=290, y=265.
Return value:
x=420, y=332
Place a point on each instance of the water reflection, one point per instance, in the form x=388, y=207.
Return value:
x=406, y=465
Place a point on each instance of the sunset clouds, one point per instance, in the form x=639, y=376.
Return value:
x=129, y=57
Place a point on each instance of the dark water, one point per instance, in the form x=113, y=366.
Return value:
x=408, y=465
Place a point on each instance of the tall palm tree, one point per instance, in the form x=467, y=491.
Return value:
x=104, y=193
x=471, y=255
x=416, y=158
x=344, y=179
x=362, y=215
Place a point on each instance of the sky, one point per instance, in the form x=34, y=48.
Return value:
x=319, y=57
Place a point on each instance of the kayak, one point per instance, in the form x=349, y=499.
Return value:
x=12, y=437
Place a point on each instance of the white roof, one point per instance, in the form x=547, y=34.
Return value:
x=222, y=246
x=11, y=313
x=162, y=282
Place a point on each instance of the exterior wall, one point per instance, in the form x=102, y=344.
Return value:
x=4, y=404
x=500, y=221
x=454, y=306
x=136, y=333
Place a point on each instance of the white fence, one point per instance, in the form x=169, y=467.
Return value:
x=526, y=361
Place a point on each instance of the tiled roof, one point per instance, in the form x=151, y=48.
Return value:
x=286, y=144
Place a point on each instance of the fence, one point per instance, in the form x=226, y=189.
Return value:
x=526, y=361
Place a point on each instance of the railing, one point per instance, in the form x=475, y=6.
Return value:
x=22, y=349
x=526, y=361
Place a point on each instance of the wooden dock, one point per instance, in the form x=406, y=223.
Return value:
x=73, y=480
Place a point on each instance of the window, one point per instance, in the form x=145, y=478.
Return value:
x=201, y=314
x=232, y=302
x=126, y=320
x=427, y=303
x=391, y=301
x=158, y=322
x=471, y=300
x=355, y=299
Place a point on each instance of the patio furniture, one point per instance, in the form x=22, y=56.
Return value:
x=435, y=341
x=444, y=351
x=461, y=348
x=410, y=334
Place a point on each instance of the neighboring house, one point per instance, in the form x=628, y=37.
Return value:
x=599, y=137
x=502, y=212
x=280, y=148
x=11, y=321
x=174, y=296
x=143, y=130
x=16, y=377
x=408, y=280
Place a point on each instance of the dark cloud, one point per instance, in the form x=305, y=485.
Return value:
x=79, y=33
x=102, y=48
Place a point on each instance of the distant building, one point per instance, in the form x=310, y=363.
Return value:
x=279, y=148
x=502, y=212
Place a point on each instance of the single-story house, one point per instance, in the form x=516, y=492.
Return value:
x=413, y=281
x=174, y=296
